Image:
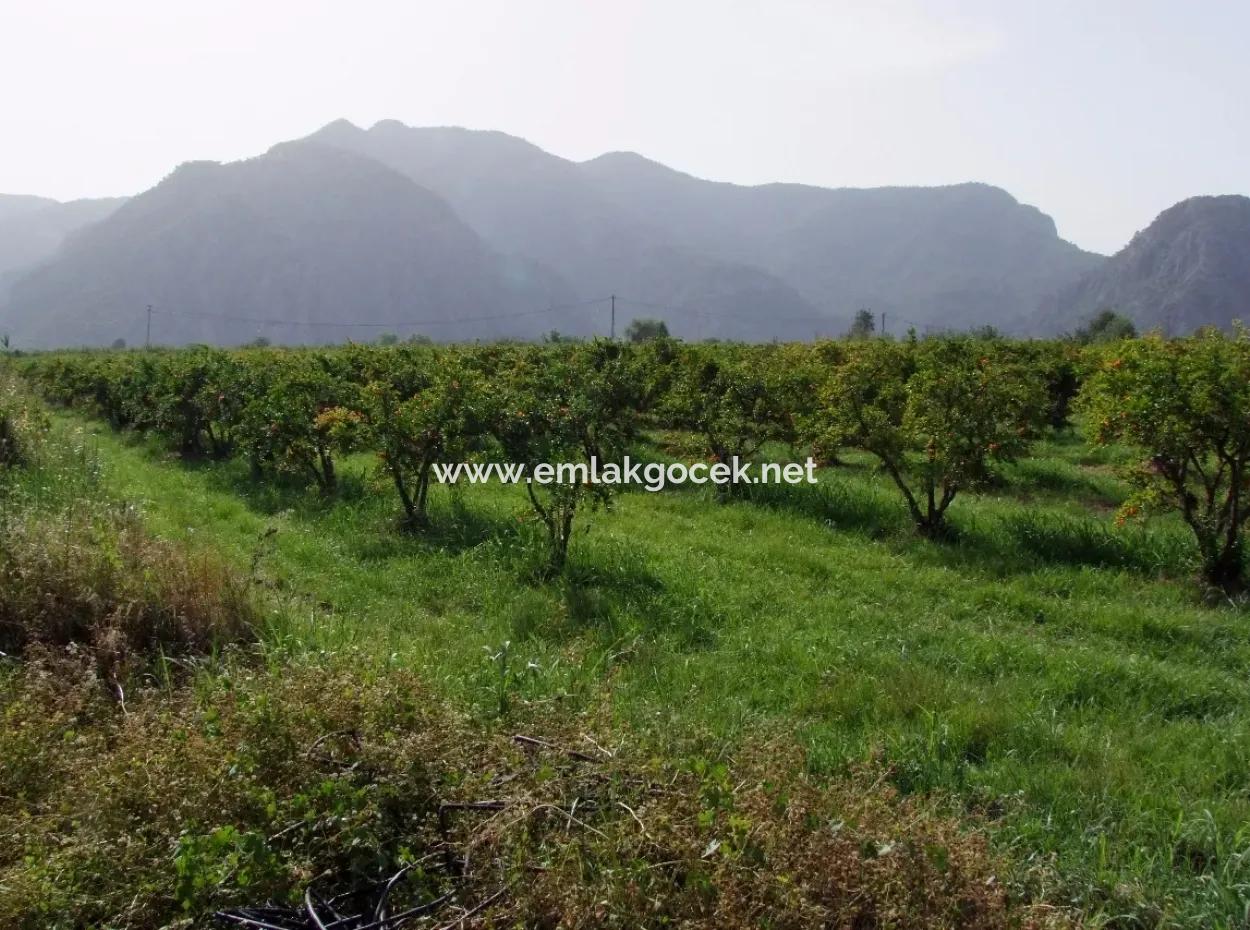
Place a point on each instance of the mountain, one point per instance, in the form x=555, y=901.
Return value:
x=956, y=256
x=527, y=202
x=305, y=234
x=459, y=234
x=793, y=257
x=33, y=228
x=1189, y=268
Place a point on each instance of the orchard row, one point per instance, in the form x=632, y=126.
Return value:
x=938, y=414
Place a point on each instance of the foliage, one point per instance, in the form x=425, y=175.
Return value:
x=645, y=330
x=1012, y=669
x=568, y=408
x=937, y=414
x=1186, y=403
x=283, y=426
x=734, y=400
x=257, y=784
x=445, y=420
x=863, y=326
x=1105, y=326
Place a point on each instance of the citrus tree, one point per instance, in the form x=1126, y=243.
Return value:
x=191, y=396
x=735, y=398
x=937, y=414
x=1186, y=404
x=281, y=425
x=564, y=408
x=444, y=420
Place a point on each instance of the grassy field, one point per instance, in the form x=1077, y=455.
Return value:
x=1047, y=670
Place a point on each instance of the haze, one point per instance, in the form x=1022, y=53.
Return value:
x=1102, y=114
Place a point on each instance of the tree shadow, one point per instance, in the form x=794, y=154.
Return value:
x=612, y=590
x=1028, y=477
x=838, y=505
x=1018, y=543
x=1015, y=543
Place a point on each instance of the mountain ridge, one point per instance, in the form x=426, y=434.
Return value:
x=499, y=230
x=1189, y=268
x=295, y=234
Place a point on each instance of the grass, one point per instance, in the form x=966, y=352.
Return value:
x=1055, y=673
x=157, y=769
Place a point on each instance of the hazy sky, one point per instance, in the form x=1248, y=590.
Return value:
x=1101, y=112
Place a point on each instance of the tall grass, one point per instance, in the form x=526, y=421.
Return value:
x=1053, y=671
x=255, y=784
x=79, y=569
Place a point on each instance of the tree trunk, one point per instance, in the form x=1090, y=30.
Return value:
x=329, y=480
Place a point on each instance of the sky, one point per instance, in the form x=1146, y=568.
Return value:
x=1100, y=112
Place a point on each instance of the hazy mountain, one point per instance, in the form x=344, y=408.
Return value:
x=940, y=256
x=305, y=233
x=1189, y=268
x=949, y=256
x=33, y=228
x=465, y=234
x=527, y=202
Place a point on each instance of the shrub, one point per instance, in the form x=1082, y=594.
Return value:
x=734, y=399
x=19, y=425
x=445, y=420
x=1186, y=403
x=567, y=407
x=92, y=576
x=937, y=414
x=281, y=426
x=256, y=785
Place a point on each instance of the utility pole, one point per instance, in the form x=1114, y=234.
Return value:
x=883, y=323
x=147, y=340
x=612, y=327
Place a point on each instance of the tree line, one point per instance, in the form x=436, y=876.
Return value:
x=939, y=414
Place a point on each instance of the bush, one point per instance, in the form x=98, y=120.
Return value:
x=93, y=577
x=937, y=414
x=735, y=399
x=567, y=407
x=256, y=784
x=1186, y=404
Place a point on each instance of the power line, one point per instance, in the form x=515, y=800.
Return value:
x=692, y=311
x=611, y=301
x=389, y=323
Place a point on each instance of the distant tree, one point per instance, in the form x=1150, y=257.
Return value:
x=985, y=332
x=864, y=326
x=388, y=339
x=644, y=330
x=119, y=343
x=4, y=343
x=1105, y=326
x=419, y=339
x=260, y=342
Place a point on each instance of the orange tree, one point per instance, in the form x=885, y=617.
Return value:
x=735, y=398
x=1186, y=404
x=415, y=422
x=937, y=413
x=564, y=406
x=282, y=426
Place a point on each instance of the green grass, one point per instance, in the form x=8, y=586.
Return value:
x=1053, y=672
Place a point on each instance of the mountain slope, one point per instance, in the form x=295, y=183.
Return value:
x=1189, y=268
x=305, y=233
x=527, y=202
x=961, y=255
x=33, y=228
